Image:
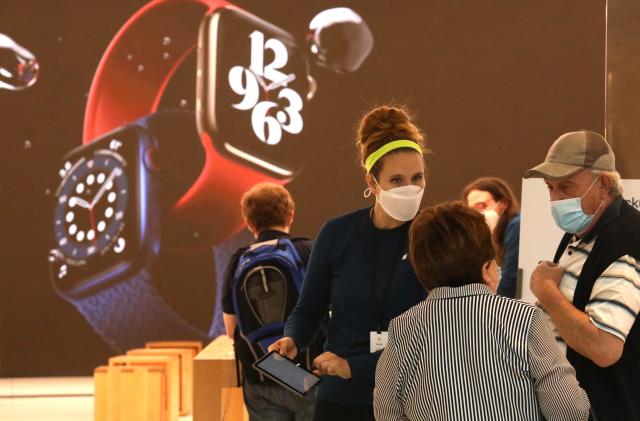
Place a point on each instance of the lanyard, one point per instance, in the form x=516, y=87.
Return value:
x=381, y=306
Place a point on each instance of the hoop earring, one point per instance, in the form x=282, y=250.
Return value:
x=367, y=192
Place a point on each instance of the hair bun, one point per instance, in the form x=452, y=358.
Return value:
x=385, y=121
x=384, y=124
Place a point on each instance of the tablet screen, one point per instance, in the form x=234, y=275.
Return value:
x=286, y=372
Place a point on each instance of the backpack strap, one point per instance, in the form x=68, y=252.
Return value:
x=239, y=381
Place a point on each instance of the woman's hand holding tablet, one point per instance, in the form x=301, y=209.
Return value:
x=287, y=373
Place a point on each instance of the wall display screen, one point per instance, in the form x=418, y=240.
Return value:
x=279, y=88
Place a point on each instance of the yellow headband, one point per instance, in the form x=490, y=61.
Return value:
x=396, y=144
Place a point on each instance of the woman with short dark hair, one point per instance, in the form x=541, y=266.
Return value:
x=465, y=353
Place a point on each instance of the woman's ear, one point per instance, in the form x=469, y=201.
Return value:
x=490, y=275
x=371, y=184
x=485, y=272
x=369, y=180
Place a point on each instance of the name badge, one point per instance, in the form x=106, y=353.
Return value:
x=377, y=341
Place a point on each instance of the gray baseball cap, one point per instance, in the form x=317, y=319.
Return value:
x=572, y=152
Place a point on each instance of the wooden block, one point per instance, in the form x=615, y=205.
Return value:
x=185, y=361
x=100, y=393
x=134, y=393
x=133, y=400
x=194, y=346
x=214, y=369
x=113, y=394
x=157, y=392
x=171, y=366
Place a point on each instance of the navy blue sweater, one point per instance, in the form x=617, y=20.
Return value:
x=509, y=271
x=342, y=273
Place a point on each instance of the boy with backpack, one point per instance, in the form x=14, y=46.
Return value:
x=261, y=288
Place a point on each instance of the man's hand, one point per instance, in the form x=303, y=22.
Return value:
x=545, y=276
x=332, y=365
x=285, y=346
x=574, y=326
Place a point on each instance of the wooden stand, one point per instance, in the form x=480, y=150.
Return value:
x=194, y=346
x=185, y=363
x=100, y=393
x=170, y=367
x=132, y=393
x=215, y=395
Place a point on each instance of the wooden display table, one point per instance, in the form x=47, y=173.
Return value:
x=185, y=363
x=215, y=395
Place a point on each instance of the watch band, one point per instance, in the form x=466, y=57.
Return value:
x=131, y=313
x=128, y=84
x=128, y=314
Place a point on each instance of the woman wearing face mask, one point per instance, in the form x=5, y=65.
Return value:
x=493, y=197
x=359, y=268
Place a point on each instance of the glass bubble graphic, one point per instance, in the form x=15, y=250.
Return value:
x=339, y=39
x=19, y=68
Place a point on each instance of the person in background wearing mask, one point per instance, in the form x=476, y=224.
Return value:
x=359, y=267
x=591, y=292
x=493, y=197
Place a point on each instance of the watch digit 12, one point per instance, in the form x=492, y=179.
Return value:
x=251, y=91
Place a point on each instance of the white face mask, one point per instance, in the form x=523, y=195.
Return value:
x=400, y=203
x=492, y=218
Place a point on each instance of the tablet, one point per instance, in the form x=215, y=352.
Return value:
x=287, y=373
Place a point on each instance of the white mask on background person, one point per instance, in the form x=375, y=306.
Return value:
x=492, y=217
x=400, y=203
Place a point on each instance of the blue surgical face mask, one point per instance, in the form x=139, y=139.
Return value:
x=569, y=215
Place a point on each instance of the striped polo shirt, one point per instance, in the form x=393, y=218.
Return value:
x=615, y=299
x=467, y=354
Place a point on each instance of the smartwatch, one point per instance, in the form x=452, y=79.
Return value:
x=107, y=232
x=251, y=93
x=250, y=80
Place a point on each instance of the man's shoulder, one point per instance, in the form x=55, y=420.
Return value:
x=235, y=258
x=301, y=243
x=624, y=231
x=630, y=218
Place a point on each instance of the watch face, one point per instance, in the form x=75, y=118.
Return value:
x=252, y=89
x=97, y=218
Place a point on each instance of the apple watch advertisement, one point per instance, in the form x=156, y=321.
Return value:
x=131, y=129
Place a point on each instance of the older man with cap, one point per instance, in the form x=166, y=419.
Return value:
x=591, y=292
